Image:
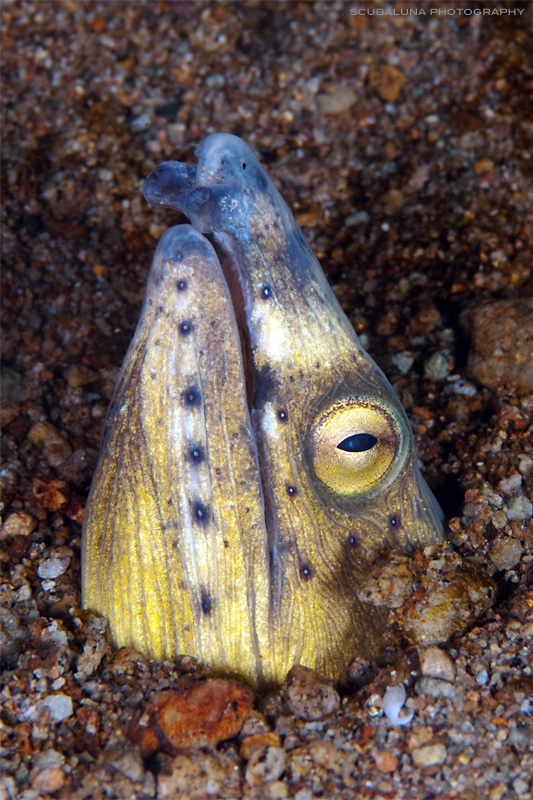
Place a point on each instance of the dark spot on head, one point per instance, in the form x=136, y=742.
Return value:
x=207, y=603
x=226, y=543
x=306, y=573
x=395, y=521
x=191, y=396
x=282, y=415
x=200, y=512
x=292, y=491
x=243, y=164
x=170, y=502
x=266, y=291
x=160, y=309
x=182, y=285
x=185, y=328
x=353, y=541
x=196, y=453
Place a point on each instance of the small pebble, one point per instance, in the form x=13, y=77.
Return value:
x=435, y=663
x=254, y=723
x=339, y=99
x=525, y=464
x=127, y=760
x=505, y=553
x=140, y=123
x=53, y=567
x=19, y=523
x=436, y=368
x=309, y=696
x=394, y=201
x=386, y=761
x=387, y=81
x=510, y=484
x=430, y=755
x=211, y=774
x=519, y=507
x=59, y=706
x=79, y=375
x=520, y=786
x=47, y=438
x=49, y=781
x=325, y=754
x=502, y=344
x=265, y=764
x=402, y=362
x=482, y=677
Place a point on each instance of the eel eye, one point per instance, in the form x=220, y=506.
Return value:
x=357, y=445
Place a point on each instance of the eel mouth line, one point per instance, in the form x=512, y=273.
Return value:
x=235, y=282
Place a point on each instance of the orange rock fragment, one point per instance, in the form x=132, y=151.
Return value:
x=387, y=81
x=386, y=761
x=204, y=714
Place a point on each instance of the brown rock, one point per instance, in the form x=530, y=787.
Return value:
x=49, y=780
x=309, y=696
x=51, y=495
x=17, y=524
x=388, y=82
x=502, y=344
x=78, y=375
x=205, y=714
x=447, y=606
x=386, y=761
x=505, y=553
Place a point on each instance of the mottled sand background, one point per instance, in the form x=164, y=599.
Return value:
x=403, y=145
